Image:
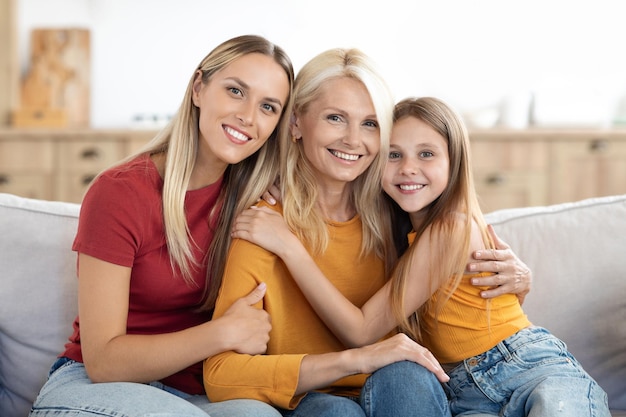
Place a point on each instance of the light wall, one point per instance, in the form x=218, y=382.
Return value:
x=475, y=54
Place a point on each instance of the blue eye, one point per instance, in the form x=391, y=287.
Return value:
x=269, y=108
x=235, y=91
x=426, y=154
x=394, y=155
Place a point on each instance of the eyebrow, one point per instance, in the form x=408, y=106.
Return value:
x=342, y=111
x=247, y=87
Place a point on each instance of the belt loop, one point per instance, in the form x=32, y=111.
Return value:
x=504, y=351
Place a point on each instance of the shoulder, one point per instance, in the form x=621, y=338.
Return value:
x=278, y=207
x=136, y=179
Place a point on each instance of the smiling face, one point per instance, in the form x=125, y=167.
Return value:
x=239, y=108
x=418, y=168
x=339, y=132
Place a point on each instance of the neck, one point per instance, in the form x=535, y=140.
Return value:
x=417, y=218
x=335, y=204
x=206, y=171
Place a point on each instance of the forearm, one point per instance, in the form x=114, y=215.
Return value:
x=353, y=326
x=145, y=358
x=321, y=370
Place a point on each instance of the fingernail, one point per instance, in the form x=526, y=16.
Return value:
x=478, y=253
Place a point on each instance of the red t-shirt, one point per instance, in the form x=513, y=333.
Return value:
x=121, y=222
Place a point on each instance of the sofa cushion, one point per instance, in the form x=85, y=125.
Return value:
x=37, y=296
x=577, y=252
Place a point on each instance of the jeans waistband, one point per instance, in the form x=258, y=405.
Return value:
x=505, y=348
x=521, y=338
x=59, y=363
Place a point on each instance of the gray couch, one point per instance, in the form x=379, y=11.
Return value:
x=577, y=252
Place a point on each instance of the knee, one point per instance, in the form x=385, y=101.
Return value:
x=408, y=376
x=406, y=371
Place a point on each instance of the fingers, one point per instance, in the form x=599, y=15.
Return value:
x=272, y=194
x=256, y=294
x=500, y=244
x=404, y=348
x=269, y=199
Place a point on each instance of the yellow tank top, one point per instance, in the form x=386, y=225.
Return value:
x=468, y=324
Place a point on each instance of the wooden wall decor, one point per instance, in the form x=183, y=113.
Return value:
x=56, y=92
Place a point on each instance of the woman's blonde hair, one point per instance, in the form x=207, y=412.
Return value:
x=298, y=185
x=243, y=182
x=442, y=215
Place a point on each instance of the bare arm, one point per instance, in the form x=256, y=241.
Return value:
x=318, y=371
x=511, y=274
x=112, y=355
x=352, y=325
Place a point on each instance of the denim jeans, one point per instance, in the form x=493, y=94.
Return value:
x=531, y=373
x=403, y=389
x=70, y=392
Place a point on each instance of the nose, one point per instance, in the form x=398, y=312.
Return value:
x=246, y=113
x=352, y=138
x=409, y=166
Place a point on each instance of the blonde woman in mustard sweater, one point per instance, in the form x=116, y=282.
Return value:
x=499, y=363
x=331, y=166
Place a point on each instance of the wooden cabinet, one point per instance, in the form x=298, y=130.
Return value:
x=59, y=165
x=584, y=167
x=510, y=173
x=512, y=168
x=517, y=168
x=27, y=167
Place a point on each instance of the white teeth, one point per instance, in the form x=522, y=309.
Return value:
x=411, y=187
x=237, y=135
x=346, y=156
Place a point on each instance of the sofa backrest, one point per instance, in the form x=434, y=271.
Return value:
x=577, y=252
x=37, y=294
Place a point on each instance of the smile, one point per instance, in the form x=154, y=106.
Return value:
x=410, y=187
x=344, y=156
x=236, y=134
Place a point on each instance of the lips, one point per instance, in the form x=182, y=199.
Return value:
x=344, y=156
x=237, y=134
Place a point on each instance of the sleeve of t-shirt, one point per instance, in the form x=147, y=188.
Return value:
x=109, y=221
x=272, y=379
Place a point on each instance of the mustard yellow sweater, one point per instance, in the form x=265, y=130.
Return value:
x=296, y=328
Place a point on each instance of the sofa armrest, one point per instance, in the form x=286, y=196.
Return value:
x=38, y=296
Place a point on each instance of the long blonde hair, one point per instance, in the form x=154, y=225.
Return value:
x=442, y=216
x=243, y=182
x=298, y=185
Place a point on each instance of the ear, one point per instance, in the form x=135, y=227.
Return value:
x=196, y=88
x=293, y=126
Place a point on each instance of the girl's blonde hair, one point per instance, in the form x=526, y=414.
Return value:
x=442, y=215
x=298, y=185
x=243, y=182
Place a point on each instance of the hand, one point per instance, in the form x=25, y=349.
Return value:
x=272, y=194
x=266, y=228
x=395, y=349
x=511, y=274
x=247, y=327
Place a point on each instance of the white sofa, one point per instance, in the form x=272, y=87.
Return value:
x=577, y=252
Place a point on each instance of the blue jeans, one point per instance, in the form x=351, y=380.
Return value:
x=531, y=373
x=401, y=389
x=70, y=393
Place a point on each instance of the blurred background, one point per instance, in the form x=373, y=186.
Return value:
x=492, y=59
x=541, y=83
